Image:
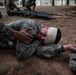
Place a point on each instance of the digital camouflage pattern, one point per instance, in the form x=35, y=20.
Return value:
x=11, y=6
x=29, y=3
x=23, y=50
x=72, y=62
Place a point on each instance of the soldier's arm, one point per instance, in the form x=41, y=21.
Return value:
x=62, y=48
x=49, y=51
x=24, y=51
x=70, y=47
x=22, y=36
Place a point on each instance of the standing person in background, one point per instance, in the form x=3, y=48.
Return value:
x=11, y=8
x=29, y=4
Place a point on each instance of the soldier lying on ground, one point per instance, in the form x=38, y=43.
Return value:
x=44, y=39
x=11, y=8
x=30, y=3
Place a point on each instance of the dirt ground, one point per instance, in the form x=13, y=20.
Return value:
x=59, y=65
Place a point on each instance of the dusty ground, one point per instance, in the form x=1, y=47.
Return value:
x=9, y=65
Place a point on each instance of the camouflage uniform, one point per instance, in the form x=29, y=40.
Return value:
x=11, y=6
x=29, y=3
x=72, y=61
x=23, y=50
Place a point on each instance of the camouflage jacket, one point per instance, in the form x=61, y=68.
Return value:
x=24, y=51
x=11, y=6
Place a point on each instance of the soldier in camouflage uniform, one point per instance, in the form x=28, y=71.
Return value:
x=29, y=3
x=16, y=31
x=11, y=8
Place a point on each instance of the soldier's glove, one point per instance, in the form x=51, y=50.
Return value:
x=5, y=29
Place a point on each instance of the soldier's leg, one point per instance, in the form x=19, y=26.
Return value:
x=6, y=38
x=28, y=5
x=34, y=5
x=11, y=13
x=5, y=41
x=49, y=51
x=28, y=8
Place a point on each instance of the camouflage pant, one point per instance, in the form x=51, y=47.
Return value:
x=12, y=13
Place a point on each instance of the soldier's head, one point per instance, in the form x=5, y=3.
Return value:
x=49, y=35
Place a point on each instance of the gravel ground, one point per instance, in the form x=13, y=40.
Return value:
x=9, y=65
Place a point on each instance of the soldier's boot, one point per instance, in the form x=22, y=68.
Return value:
x=72, y=61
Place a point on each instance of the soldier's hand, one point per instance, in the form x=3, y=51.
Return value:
x=70, y=47
x=25, y=37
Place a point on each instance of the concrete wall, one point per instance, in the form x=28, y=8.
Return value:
x=38, y=2
x=72, y=2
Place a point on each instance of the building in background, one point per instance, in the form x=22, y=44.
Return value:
x=18, y=2
x=2, y=2
x=41, y=2
x=46, y=2
x=64, y=2
x=71, y=2
x=57, y=2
